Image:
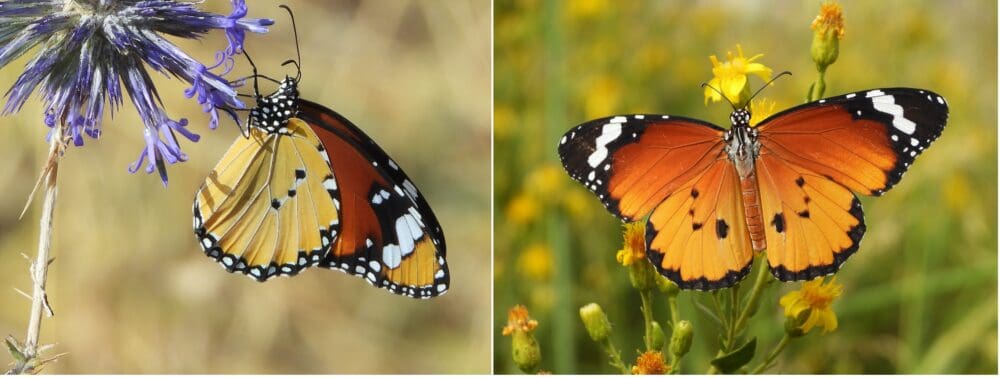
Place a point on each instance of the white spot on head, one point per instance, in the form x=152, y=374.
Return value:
x=609, y=133
x=563, y=140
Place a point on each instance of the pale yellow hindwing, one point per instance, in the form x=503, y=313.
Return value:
x=270, y=207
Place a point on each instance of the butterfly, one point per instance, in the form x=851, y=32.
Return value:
x=714, y=196
x=306, y=187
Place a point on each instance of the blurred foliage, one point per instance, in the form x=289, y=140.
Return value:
x=133, y=292
x=920, y=296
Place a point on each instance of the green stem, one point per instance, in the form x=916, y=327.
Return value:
x=675, y=318
x=774, y=354
x=616, y=357
x=647, y=316
x=818, y=87
x=760, y=282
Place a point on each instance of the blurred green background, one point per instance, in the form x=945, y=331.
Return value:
x=921, y=293
x=133, y=292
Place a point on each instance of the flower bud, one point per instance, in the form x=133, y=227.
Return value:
x=643, y=275
x=680, y=341
x=828, y=29
x=793, y=324
x=658, y=337
x=527, y=353
x=596, y=322
x=667, y=286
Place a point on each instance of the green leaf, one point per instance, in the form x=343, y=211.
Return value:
x=737, y=358
x=15, y=348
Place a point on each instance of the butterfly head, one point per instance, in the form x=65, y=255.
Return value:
x=273, y=111
x=740, y=117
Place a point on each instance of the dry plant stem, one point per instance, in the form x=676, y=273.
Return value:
x=39, y=270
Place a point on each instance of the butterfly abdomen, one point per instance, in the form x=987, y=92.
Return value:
x=751, y=207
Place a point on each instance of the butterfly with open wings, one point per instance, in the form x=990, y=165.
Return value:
x=714, y=196
x=306, y=187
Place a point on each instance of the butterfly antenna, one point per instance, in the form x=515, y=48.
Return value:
x=256, y=86
x=769, y=83
x=705, y=85
x=298, y=53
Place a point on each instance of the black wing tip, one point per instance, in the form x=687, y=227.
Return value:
x=839, y=258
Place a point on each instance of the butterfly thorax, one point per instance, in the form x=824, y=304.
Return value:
x=743, y=148
x=273, y=111
x=741, y=143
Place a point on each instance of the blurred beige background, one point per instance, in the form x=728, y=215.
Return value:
x=130, y=287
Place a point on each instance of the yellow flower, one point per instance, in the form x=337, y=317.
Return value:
x=518, y=320
x=522, y=209
x=760, y=110
x=650, y=362
x=634, y=248
x=730, y=77
x=830, y=18
x=536, y=261
x=815, y=296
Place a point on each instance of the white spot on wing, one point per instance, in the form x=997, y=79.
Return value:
x=610, y=132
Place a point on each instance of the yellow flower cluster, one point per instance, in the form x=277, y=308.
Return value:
x=815, y=296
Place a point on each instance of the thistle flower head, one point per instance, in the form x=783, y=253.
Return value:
x=87, y=51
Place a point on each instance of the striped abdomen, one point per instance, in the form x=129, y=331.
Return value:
x=751, y=207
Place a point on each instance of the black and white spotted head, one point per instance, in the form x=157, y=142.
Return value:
x=740, y=117
x=273, y=111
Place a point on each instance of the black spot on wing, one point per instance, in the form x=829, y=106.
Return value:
x=839, y=257
x=721, y=229
x=701, y=284
x=778, y=222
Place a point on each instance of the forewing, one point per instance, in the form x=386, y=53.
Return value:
x=270, y=206
x=698, y=236
x=389, y=235
x=864, y=141
x=634, y=162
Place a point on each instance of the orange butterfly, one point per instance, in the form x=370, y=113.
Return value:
x=714, y=196
x=306, y=187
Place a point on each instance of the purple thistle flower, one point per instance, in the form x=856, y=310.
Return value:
x=87, y=50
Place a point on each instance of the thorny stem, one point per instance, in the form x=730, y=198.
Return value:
x=774, y=354
x=615, y=356
x=39, y=269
